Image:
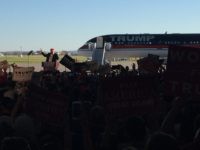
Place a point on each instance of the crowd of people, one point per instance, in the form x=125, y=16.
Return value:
x=87, y=125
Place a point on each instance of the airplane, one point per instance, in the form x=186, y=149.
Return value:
x=137, y=45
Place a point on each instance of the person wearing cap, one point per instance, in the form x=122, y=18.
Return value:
x=51, y=56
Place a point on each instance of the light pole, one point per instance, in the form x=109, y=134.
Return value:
x=29, y=53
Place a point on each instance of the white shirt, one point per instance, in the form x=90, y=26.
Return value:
x=50, y=58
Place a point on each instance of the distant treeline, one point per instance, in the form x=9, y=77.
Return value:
x=34, y=52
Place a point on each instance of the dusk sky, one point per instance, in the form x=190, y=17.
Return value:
x=68, y=24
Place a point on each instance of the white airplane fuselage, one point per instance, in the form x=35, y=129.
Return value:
x=138, y=45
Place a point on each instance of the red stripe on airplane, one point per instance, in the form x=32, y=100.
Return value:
x=140, y=46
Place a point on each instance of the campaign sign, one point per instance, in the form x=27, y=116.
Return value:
x=67, y=61
x=123, y=97
x=47, y=108
x=183, y=70
x=22, y=74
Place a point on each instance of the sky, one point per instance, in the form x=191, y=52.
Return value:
x=68, y=24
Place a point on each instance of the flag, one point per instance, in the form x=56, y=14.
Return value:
x=29, y=53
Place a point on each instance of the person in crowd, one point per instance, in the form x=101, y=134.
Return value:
x=6, y=106
x=97, y=125
x=134, y=70
x=133, y=133
x=12, y=143
x=3, y=72
x=162, y=141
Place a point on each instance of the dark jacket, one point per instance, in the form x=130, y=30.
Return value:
x=54, y=59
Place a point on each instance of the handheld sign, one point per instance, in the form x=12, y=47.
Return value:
x=67, y=61
x=22, y=74
x=124, y=97
x=183, y=70
x=47, y=108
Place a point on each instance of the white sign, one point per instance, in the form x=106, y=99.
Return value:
x=22, y=74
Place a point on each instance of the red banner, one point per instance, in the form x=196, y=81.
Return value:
x=48, y=108
x=183, y=70
x=123, y=97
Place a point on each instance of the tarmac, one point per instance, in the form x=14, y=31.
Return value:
x=38, y=67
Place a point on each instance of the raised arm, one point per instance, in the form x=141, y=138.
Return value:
x=44, y=54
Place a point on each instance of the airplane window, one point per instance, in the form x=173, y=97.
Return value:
x=91, y=46
x=108, y=46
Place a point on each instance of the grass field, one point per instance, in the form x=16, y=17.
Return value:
x=33, y=59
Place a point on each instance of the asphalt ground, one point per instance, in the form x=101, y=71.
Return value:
x=38, y=67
